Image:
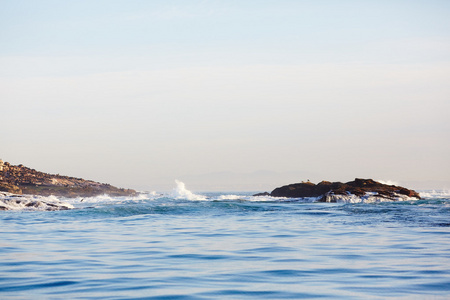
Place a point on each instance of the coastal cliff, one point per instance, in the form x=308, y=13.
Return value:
x=23, y=180
x=326, y=191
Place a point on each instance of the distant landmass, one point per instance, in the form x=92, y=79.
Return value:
x=23, y=180
x=326, y=191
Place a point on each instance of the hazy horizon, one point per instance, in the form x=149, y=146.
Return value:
x=237, y=95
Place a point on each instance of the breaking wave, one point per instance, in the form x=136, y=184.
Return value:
x=180, y=192
x=433, y=194
x=32, y=203
x=388, y=182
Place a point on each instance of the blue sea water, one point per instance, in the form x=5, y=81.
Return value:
x=227, y=246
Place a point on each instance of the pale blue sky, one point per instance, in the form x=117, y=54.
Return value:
x=139, y=93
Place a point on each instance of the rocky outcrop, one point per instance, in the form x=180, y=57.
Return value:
x=262, y=194
x=326, y=191
x=23, y=180
x=10, y=188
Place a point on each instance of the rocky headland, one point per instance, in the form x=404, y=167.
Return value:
x=23, y=180
x=326, y=191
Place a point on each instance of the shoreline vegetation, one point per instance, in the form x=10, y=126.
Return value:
x=22, y=180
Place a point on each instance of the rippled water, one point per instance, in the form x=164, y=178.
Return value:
x=227, y=247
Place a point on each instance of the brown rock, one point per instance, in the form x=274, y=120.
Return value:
x=22, y=180
x=358, y=187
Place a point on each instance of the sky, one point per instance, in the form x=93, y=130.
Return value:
x=227, y=95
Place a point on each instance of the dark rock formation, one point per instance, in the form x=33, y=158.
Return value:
x=22, y=180
x=327, y=191
x=262, y=194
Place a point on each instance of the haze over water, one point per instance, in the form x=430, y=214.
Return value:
x=227, y=95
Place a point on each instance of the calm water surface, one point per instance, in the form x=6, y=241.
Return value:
x=227, y=247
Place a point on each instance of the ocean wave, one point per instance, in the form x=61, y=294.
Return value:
x=10, y=201
x=180, y=192
x=232, y=197
x=367, y=198
x=83, y=202
x=435, y=194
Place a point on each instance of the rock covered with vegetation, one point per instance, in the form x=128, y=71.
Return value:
x=23, y=180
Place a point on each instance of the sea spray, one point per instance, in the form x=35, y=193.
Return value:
x=435, y=194
x=388, y=182
x=180, y=192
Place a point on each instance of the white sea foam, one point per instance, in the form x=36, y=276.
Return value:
x=180, y=192
x=388, y=182
x=348, y=198
x=368, y=197
x=435, y=194
x=230, y=197
x=10, y=201
x=280, y=199
x=31, y=203
x=106, y=199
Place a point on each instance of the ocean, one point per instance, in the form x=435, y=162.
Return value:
x=184, y=245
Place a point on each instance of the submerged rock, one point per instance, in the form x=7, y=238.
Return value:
x=326, y=191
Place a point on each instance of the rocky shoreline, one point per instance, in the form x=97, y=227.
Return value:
x=326, y=191
x=23, y=180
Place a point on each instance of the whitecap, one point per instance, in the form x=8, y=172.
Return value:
x=368, y=197
x=180, y=192
x=107, y=199
x=435, y=194
x=229, y=197
x=10, y=201
x=388, y=182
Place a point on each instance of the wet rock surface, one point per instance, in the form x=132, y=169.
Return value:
x=327, y=191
